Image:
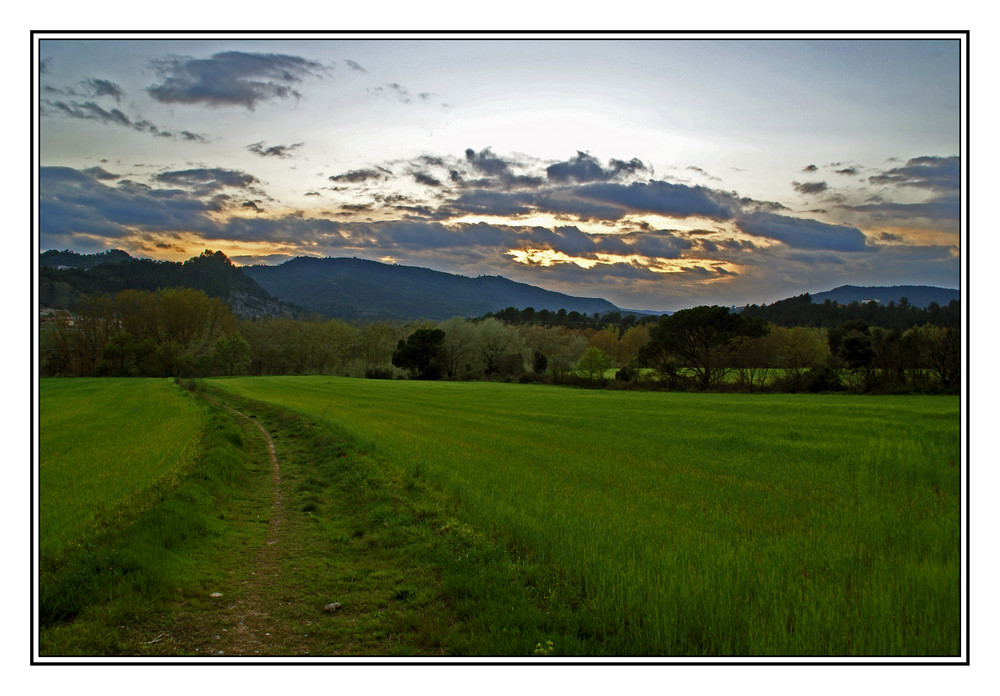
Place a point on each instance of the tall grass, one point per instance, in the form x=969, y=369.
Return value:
x=103, y=444
x=695, y=524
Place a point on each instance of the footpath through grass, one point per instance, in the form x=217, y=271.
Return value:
x=688, y=524
x=233, y=561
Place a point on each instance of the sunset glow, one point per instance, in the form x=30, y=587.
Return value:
x=654, y=173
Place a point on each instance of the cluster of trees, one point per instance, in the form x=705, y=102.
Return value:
x=177, y=332
x=185, y=333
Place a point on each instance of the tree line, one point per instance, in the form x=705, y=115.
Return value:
x=182, y=332
x=802, y=311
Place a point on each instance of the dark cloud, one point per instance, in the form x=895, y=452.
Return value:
x=810, y=188
x=354, y=66
x=491, y=203
x=101, y=173
x=804, y=234
x=586, y=168
x=848, y=171
x=498, y=172
x=939, y=174
x=73, y=202
x=675, y=200
x=100, y=88
x=356, y=176
x=426, y=179
x=810, y=168
x=661, y=244
x=487, y=163
x=206, y=181
x=699, y=170
x=232, y=78
x=564, y=201
x=947, y=207
x=279, y=151
x=91, y=111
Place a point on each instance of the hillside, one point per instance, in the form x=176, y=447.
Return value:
x=917, y=295
x=64, y=276
x=360, y=289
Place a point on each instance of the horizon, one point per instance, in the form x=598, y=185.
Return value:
x=658, y=172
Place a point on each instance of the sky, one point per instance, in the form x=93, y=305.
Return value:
x=656, y=171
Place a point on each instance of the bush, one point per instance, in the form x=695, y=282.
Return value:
x=626, y=374
x=818, y=379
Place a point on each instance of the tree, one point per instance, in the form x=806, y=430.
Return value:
x=851, y=342
x=458, y=351
x=420, y=352
x=594, y=363
x=701, y=338
x=232, y=354
x=539, y=362
x=498, y=346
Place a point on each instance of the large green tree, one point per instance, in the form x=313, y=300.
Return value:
x=420, y=353
x=701, y=338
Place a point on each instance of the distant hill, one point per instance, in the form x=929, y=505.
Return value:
x=64, y=276
x=917, y=295
x=71, y=259
x=361, y=289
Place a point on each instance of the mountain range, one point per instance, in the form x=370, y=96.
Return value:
x=350, y=288
x=360, y=289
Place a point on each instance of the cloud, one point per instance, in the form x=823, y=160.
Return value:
x=426, y=179
x=848, y=171
x=491, y=203
x=804, y=234
x=231, y=78
x=946, y=207
x=487, y=163
x=101, y=173
x=810, y=188
x=675, y=200
x=699, y=170
x=279, y=151
x=207, y=181
x=73, y=202
x=356, y=176
x=91, y=111
x=939, y=174
x=354, y=66
x=586, y=168
x=100, y=88
x=810, y=168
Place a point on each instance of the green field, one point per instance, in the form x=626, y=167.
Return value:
x=104, y=444
x=694, y=524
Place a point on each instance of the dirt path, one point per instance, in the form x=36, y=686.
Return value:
x=249, y=616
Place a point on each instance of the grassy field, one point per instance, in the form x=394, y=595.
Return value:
x=104, y=445
x=240, y=554
x=692, y=524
